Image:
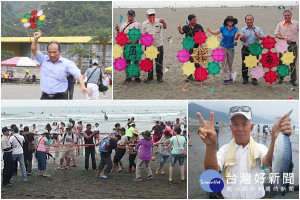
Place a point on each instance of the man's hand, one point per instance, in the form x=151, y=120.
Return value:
x=282, y=125
x=85, y=90
x=179, y=27
x=117, y=27
x=161, y=20
x=37, y=34
x=208, y=133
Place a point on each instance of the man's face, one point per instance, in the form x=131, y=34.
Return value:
x=89, y=128
x=53, y=52
x=151, y=16
x=130, y=17
x=249, y=21
x=193, y=22
x=287, y=17
x=241, y=127
x=122, y=132
x=69, y=132
x=6, y=133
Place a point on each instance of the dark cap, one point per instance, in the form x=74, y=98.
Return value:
x=4, y=129
x=177, y=130
x=130, y=12
x=15, y=129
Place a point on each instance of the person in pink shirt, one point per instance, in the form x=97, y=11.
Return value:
x=41, y=155
x=289, y=30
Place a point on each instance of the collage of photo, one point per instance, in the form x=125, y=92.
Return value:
x=156, y=99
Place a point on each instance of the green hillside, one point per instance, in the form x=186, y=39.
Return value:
x=63, y=18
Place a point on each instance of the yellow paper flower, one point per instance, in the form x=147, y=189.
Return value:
x=117, y=51
x=24, y=20
x=212, y=42
x=287, y=58
x=188, y=68
x=151, y=52
x=251, y=61
x=42, y=17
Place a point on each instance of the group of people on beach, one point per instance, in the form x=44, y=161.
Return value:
x=19, y=144
x=287, y=30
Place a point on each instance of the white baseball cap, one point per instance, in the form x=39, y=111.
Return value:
x=150, y=11
x=243, y=110
x=95, y=61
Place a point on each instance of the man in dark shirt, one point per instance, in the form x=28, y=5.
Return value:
x=106, y=163
x=89, y=150
x=158, y=129
x=190, y=30
x=29, y=138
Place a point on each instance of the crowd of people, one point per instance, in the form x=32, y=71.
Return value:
x=287, y=30
x=20, y=144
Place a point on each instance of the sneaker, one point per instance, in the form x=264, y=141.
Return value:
x=129, y=171
x=293, y=83
x=170, y=179
x=40, y=174
x=103, y=177
x=25, y=179
x=189, y=78
x=29, y=173
x=137, y=179
x=150, y=177
x=245, y=80
x=126, y=81
x=138, y=80
x=160, y=80
x=182, y=178
x=226, y=82
x=105, y=96
x=147, y=80
x=254, y=81
x=46, y=175
x=230, y=80
x=6, y=185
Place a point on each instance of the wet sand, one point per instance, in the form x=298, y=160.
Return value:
x=174, y=80
x=33, y=92
x=196, y=162
x=77, y=183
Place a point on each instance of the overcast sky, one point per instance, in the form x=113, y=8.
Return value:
x=267, y=108
x=210, y=3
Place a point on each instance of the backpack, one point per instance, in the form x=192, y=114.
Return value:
x=65, y=135
x=31, y=147
x=104, y=145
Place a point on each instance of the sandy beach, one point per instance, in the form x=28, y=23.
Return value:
x=33, y=92
x=174, y=79
x=196, y=162
x=77, y=183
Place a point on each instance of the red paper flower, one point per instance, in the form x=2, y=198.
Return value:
x=268, y=42
x=270, y=76
x=121, y=38
x=201, y=74
x=146, y=65
x=34, y=12
x=200, y=37
x=32, y=26
x=33, y=19
x=269, y=60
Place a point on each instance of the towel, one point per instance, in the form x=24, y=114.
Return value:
x=230, y=158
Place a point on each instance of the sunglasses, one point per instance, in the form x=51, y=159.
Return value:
x=240, y=108
x=152, y=15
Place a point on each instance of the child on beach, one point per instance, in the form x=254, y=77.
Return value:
x=145, y=156
x=133, y=141
x=164, y=152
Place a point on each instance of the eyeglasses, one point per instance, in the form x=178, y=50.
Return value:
x=152, y=15
x=240, y=108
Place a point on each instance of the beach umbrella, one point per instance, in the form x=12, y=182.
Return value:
x=257, y=72
x=270, y=76
x=212, y=42
x=213, y=68
x=120, y=64
x=117, y=51
x=146, y=65
x=255, y=48
x=200, y=37
x=134, y=34
x=287, y=58
x=218, y=55
x=183, y=55
x=283, y=70
x=20, y=62
x=281, y=46
x=188, y=68
x=132, y=70
x=269, y=60
x=268, y=42
x=201, y=74
x=121, y=39
x=151, y=52
x=200, y=55
x=250, y=61
x=147, y=39
x=133, y=52
x=188, y=43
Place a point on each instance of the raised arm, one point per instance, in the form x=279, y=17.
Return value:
x=34, y=48
x=216, y=32
x=281, y=125
x=209, y=137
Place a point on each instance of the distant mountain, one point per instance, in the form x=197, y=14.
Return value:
x=219, y=116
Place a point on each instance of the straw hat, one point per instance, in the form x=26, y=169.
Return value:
x=135, y=131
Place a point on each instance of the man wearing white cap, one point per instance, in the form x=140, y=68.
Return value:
x=93, y=75
x=242, y=158
x=154, y=27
